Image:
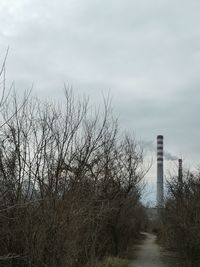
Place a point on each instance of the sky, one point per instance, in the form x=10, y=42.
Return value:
x=144, y=53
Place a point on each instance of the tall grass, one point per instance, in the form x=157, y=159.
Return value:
x=113, y=262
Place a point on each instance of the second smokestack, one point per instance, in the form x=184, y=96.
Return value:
x=180, y=171
x=160, y=197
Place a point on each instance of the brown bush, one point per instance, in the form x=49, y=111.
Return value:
x=69, y=185
x=181, y=217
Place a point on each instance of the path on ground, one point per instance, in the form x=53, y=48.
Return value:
x=148, y=253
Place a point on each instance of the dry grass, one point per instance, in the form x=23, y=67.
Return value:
x=113, y=262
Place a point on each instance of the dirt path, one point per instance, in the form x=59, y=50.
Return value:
x=148, y=254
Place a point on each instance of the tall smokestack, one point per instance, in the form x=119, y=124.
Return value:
x=180, y=171
x=160, y=198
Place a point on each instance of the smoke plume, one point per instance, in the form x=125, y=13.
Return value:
x=169, y=156
x=150, y=145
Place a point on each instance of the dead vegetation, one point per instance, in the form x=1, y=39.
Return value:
x=69, y=184
x=181, y=218
x=113, y=262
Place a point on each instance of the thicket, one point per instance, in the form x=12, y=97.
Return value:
x=181, y=218
x=113, y=262
x=69, y=183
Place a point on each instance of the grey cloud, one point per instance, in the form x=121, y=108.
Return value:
x=146, y=52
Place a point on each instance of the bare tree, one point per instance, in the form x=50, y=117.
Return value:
x=67, y=180
x=180, y=229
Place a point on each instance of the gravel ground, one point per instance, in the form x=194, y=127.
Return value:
x=148, y=253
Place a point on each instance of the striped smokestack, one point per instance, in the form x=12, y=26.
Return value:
x=160, y=198
x=180, y=171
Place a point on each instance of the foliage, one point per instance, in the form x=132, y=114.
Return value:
x=113, y=262
x=181, y=218
x=69, y=184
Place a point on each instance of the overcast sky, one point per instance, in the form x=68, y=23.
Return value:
x=146, y=53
